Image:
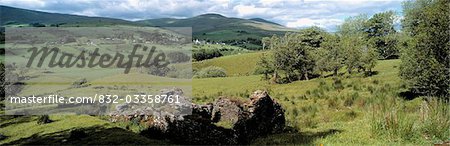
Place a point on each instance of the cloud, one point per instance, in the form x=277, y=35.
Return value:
x=251, y=10
x=307, y=22
x=291, y=13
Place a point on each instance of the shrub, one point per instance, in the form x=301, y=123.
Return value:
x=177, y=57
x=203, y=54
x=43, y=119
x=425, y=63
x=80, y=83
x=337, y=84
x=211, y=72
x=351, y=99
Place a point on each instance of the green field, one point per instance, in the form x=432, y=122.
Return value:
x=321, y=114
x=59, y=132
x=369, y=80
x=315, y=111
x=235, y=65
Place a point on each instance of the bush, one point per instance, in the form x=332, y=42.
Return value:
x=425, y=63
x=337, y=84
x=211, y=72
x=177, y=57
x=80, y=83
x=203, y=54
x=43, y=119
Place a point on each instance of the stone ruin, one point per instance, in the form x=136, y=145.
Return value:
x=259, y=116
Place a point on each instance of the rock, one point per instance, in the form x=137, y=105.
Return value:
x=200, y=132
x=122, y=107
x=263, y=116
x=259, y=116
x=203, y=111
x=227, y=110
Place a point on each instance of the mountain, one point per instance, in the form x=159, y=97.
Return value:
x=18, y=16
x=245, y=33
x=264, y=20
x=217, y=28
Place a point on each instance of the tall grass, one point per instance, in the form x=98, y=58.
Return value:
x=435, y=119
x=393, y=121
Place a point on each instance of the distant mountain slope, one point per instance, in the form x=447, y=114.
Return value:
x=217, y=28
x=11, y=16
x=246, y=33
x=264, y=20
x=213, y=22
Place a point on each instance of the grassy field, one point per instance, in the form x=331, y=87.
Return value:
x=350, y=109
x=318, y=111
x=235, y=65
x=322, y=112
x=225, y=50
x=25, y=130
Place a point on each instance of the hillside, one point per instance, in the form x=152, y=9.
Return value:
x=265, y=21
x=245, y=33
x=18, y=16
x=218, y=28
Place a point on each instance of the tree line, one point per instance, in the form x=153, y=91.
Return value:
x=311, y=52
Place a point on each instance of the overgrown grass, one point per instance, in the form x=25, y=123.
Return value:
x=354, y=107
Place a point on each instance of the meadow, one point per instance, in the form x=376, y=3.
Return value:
x=345, y=109
x=351, y=109
x=373, y=81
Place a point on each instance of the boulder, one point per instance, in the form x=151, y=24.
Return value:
x=259, y=116
x=227, y=110
x=262, y=116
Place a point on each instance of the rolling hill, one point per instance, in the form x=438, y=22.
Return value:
x=217, y=28
x=245, y=33
x=18, y=16
x=265, y=21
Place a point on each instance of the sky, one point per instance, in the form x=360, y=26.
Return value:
x=291, y=13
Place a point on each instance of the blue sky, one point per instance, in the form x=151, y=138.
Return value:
x=291, y=13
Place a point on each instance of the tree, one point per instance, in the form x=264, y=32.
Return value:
x=425, y=63
x=292, y=55
x=352, y=47
x=382, y=35
x=330, y=56
x=368, y=58
x=353, y=25
x=359, y=52
x=265, y=66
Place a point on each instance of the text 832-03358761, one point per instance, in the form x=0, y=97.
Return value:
x=138, y=99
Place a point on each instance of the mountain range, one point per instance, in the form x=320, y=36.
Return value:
x=208, y=27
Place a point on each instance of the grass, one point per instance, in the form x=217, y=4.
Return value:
x=351, y=109
x=235, y=65
x=327, y=113
x=224, y=49
x=25, y=130
x=27, y=126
